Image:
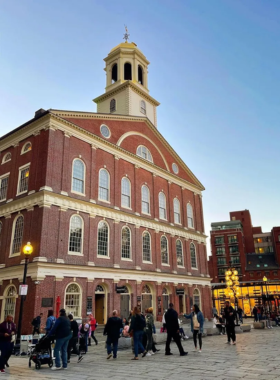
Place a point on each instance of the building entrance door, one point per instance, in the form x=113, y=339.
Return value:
x=181, y=304
x=125, y=300
x=99, y=308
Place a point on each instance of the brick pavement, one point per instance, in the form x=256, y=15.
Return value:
x=256, y=356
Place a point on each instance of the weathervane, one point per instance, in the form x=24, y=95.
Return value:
x=126, y=35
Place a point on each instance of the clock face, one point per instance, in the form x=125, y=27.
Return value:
x=105, y=131
x=175, y=168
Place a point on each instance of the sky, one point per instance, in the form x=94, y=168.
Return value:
x=214, y=69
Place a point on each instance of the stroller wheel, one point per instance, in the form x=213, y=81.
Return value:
x=38, y=364
x=50, y=364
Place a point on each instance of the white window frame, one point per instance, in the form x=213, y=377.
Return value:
x=163, y=208
x=196, y=267
x=82, y=237
x=167, y=250
x=148, y=153
x=183, y=265
x=4, y=158
x=149, y=202
x=146, y=261
x=122, y=194
x=12, y=237
x=190, y=208
x=1, y=179
x=5, y=296
x=143, y=107
x=84, y=178
x=80, y=299
x=20, y=169
x=22, y=149
x=109, y=182
x=198, y=295
x=108, y=242
x=176, y=200
x=126, y=258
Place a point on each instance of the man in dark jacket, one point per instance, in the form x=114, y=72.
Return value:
x=62, y=332
x=229, y=314
x=36, y=323
x=7, y=331
x=112, y=329
x=172, y=326
x=73, y=342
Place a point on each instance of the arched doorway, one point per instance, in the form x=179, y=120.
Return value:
x=73, y=300
x=100, y=296
x=125, y=303
x=165, y=300
x=9, y=302
x=147, y=298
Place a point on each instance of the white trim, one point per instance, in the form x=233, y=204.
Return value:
x=4, y=298
x=4, y=158
x=177, y=200
x=165, y=208
x=167, y=248
x=109, y=186
x=199, y=297
x=189, y=205
x=82, y=237
x=196, y=267
x=3, y=176
x=80, y=298
x=149, y=201
x=20, y=169
x=106, y=127
x=151, y=257
x=22, y=149
x=84, y=179
x=125, y=194
x=130, y=250
x=108, y=241
x=12, y=236
x=182, y=246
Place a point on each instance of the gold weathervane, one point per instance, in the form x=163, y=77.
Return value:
x=126, y=35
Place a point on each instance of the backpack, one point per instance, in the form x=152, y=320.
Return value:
x=34, y=322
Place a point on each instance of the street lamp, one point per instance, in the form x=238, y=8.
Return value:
x=27, y=251
x=265, y=281
x=232, y=282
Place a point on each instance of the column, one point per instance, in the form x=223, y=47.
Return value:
x=169, y=204
x=138, y=248
x=173, y=257
x=201, y=212
x=117, y=244
x=117, y=185
x=92, y=239
x=93, y=175
x=137, y=191
x=66, y=175
x=183, y=209
x=155, y=200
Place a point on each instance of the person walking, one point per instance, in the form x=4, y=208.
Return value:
x=73, y=342
x=197, y=321
x=112, y=330
x=229, y=314
x=149, y=331
x=36, y=323
x=255, y=313
x=50, y=321
x=172, y=326
x=240, y=314
x=93, y=325
x=136, y=328
x=7, y=335
x=62, y=332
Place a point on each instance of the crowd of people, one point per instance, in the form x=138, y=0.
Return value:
x=266, y=316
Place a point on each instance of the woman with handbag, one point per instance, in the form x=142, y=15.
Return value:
x=197, y=321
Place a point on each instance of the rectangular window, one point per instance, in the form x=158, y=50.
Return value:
x=234, y=249
x=4, y=180
x=232, y=239
x=23, y=178
x=235, y=260
x=219, y=240
x=220, y=251
x=221, y=271
x=222, y=261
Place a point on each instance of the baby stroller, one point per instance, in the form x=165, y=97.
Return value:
x=82, y=343
x=42, y=353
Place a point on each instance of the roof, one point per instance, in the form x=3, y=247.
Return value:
x=261, y=261
x=126, y=45
x=231, y=224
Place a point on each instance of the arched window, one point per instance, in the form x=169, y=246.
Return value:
x=78, y=176
x=179, y=253
x=112, y=105
x=17, y=235
x=190, y=215
x=143, y=107
x=164, y=250
x=140, y=75
x=144, y=152
x=115, y=73
x=146, y=289
x=177, y=213
x=127, y=71
x=104, y=185
x=126, y=193
x=196, y=298
x=162, y=205
x=126, y=243
x=73, y=300
x=193, y=256
x=9, y=302
x=76, y=234
x=145, y=199
x=99, y=289
x=103, y=239
x=26, y=147
x=146, y=246
x=7, y=157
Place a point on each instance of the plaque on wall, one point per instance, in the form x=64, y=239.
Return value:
x=47, y=302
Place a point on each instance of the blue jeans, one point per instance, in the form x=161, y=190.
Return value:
x=61, y=345
x=137, y=337
x=111, y=342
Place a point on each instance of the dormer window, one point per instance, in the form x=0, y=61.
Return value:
x=127, y=71
x=140, y=75
x=7, y=157
x=144, y=152
x=143, y=107
x=115, y=73
x=112, y=105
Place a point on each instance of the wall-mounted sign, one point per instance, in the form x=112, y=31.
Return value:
x=180, y=291
x=47, y=302
x=23, y=290
x=120, y=289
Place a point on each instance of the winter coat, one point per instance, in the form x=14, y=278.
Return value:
x=200, y=320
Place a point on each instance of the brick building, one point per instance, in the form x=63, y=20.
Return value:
x=255, y=254
x=114, y=215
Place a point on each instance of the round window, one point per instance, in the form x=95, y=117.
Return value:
x=105, y=131
x=175, y=168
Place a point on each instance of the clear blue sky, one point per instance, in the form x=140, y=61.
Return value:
x=214, y=69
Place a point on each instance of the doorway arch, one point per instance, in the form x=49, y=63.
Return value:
x=9, y=302
x=100, y=304
x=146, y=298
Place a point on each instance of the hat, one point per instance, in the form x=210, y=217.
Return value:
x=62, y=311
x=86, y=327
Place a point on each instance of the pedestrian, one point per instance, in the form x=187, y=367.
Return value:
x=62, y=332
x=50, y=321
x=229, y=315
x=259, y=313
x=172, y=326
x=149, y=331
x=181, y=331
x=240, y=314
x=84, y=334
x=197, y=321
x=36, y=323
x=214, y=311
x=125, y=330
x=73, y=342
x=268, y=320
x=112, y=330
x=93, y=324
x=218, y=322
x=136, y=329
x=7, y=336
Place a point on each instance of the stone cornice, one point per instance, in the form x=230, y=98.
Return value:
x=48, y=199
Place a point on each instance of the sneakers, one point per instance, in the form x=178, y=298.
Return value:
x=227, y=342
x=56, y=368
x=80, y=358
x=109, y=356
x=169, y=353
x=184, y=354
x=2, y=371
x=144, y=354
x=199, y=351
x=147, y=354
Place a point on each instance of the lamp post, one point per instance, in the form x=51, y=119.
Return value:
x=265, y=281
x=27, y=250
x=232, y=281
